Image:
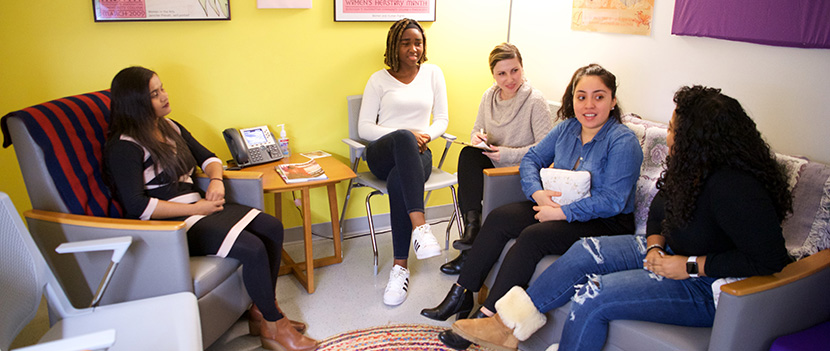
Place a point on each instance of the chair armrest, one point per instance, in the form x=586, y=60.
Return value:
x=448, y=136
x=501, y=186
x=156, y=263
x=356, y=149
x=241, y=187
x=118, y=245
x=792, y=272
x=101, y=340
x=767, y=307
x=502, y=171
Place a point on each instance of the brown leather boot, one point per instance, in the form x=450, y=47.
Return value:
x=255, y=317
x=488, y=332
x=281, y=336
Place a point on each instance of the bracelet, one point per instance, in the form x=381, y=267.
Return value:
x=655, y=246
x=219, y=179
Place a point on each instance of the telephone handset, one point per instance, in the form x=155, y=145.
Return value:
x=252, y=146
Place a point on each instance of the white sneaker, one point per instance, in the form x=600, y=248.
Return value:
x=424, y=242
x=397, y=287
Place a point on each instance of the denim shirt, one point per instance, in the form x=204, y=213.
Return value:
x=613, y=157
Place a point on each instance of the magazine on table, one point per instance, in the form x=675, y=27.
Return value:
x=315, y=154
x=301, y=172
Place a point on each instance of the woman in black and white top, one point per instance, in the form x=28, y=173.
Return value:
x=149, y=160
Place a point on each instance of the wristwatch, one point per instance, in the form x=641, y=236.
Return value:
x=691, y=266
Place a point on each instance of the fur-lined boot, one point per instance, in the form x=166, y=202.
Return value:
x=516, y=321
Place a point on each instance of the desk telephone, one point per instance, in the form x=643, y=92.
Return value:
x=252, y=146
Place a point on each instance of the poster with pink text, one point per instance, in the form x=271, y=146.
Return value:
x=384, y=10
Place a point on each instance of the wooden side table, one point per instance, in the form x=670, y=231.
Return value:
x=273, y=184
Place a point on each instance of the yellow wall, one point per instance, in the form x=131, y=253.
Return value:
x=265, y=66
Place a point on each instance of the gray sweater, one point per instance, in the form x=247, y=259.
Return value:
x=513, y=125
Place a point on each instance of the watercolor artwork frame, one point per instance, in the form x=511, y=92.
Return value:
x=161, y=10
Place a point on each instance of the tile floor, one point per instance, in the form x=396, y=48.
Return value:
x=349, y=296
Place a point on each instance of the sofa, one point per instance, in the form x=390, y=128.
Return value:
x=752, y=312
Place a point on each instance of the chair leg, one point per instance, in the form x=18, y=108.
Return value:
x=345, y=203
x=449, y=226
x=457, y=215
x=372, y=228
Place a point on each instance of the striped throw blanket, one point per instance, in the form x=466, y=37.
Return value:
x=72, y=132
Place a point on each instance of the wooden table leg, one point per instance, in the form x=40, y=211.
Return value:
x=309, y=253
x=335, y=223
x=278, y=205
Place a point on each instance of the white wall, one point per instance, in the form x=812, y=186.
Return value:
x=784, y=89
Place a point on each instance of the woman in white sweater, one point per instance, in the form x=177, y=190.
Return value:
x=395, y=118
x=512, y=117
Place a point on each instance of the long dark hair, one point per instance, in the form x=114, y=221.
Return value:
x=133, y=115
x=608, y=78
x=711, y=131
x=393, y=39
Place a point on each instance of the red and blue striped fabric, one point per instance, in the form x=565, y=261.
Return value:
x=72, y=132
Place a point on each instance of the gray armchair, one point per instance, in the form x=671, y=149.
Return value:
x=168, y=322
x=157, y=263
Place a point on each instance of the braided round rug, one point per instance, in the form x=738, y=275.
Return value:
x=389, y=337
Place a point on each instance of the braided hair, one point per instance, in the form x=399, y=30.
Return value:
x=711, y=131
x=393, y=39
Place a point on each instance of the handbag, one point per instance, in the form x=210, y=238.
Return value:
x=574, y=185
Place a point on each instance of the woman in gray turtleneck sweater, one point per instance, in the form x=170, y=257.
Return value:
x=512, y=117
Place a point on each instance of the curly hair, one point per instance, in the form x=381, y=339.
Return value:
x=609, y=79
x=712, y=131
x=132, y=114
x=393, y=39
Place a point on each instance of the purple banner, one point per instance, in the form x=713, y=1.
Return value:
x=793, y=23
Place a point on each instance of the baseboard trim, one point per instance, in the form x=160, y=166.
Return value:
x=359, y=226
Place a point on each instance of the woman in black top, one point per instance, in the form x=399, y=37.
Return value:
x=717, y=218
x=150, y=160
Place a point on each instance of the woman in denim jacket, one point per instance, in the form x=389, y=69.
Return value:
x=590, y=138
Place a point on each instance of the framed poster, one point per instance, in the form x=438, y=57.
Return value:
x=383, y=10
x=160, y=10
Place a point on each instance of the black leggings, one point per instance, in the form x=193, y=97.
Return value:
x=259, y=249
x=471, y=163
x=534, y=240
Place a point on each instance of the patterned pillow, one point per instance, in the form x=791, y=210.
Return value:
x=807, y=230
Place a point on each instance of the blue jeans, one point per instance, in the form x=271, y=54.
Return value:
x=605, y=279
x=395, y=158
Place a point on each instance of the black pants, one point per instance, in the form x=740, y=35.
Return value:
x=471, y=163
x=259, y=249
x=534, y=240
x=395, y=158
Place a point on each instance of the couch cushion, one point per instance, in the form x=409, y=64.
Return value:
x=652, y=137
x=209, y=271
x=807, y=230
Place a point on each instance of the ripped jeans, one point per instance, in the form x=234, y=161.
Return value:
x=604, y=277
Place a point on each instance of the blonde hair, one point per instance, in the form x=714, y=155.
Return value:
x=504, y=51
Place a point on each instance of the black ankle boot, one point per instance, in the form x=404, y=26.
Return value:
x=454, y=266
x=458, y=301
x=472, y=224
x=453, y=340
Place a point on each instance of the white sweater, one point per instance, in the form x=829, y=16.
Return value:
x=389, y=105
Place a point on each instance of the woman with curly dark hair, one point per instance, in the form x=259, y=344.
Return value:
x=717, y=217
